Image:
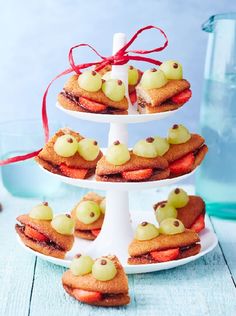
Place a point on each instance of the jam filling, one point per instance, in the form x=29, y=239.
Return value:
x=149, y=257
x=49, y=243
x=75, y=99
x=118, y=176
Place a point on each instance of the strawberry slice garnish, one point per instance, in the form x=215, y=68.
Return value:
x=165, y=255
x=96, y=232
x=182, y=165
x=87, y=296
x=137, y=175
x=91, y=105
x=133, y=97
x=182, y=97
x=199, y=224
x=73, y=172
x=34, y=234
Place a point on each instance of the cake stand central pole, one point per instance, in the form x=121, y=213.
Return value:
x=116, y=233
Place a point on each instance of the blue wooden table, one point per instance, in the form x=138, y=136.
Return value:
x=30, y=286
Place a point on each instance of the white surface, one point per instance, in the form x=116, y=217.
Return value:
x=132, y=117
x=91, y=183
x=208, y=243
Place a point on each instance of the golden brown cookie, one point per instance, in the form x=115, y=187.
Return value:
x=106, y=171
x=49, y=159
x=163, y=242
x=85, y=230
x=72, y=90
x=114, y=292
x=158, y=100
x=56, y=244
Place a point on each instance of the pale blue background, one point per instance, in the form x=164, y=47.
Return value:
x=35, y=37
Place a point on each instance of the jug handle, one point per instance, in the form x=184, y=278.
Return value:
x=208, y=25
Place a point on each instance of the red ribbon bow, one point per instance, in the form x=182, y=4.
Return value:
x=122, y=57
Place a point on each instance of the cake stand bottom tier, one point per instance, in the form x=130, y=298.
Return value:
x=208, y=243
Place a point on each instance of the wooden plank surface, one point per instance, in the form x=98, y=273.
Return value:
x=30, y=287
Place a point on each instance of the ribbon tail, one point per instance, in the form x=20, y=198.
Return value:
x=19, y=158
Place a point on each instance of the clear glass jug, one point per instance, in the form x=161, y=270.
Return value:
x=216, y=178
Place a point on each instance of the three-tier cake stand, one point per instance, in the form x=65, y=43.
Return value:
x=117, y=230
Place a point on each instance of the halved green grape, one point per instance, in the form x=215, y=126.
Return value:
x=172, y=69
x=171, y=226
x=145, y=148
x=104, y=269
x=161, y=145
x=66, y=146
x=103, y=206
x=153, y=79
x=42, y=212
x=88, y=149
x=146, y=231
x=117, y=154
x=88, y=212
x=133, y=75
x=63, y=224
x=114, y=89
x=81, y=265
x=178, y=198
x=178, y=134
x=90, y=81
x=165, y=210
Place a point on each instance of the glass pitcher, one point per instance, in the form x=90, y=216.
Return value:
x=216, y=179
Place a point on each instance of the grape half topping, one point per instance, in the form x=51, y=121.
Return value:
x=146, y=231
x=88, y=149
x=114, y=89
x=88, y=212
x=42, y=212
x=178, y=134
x=104, y=269
x=90, y=81
x=145, y=148
x=171, y=226
x=161, y=145
x=153, y=79
x=103, y=206
x=178, y=198
x=133, y=75
x=66, y=146
x=81, y=265
x=63, y=224
x=165, y=210
x=172, y=69
x=117, y=154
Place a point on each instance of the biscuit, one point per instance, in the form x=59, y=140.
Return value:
x=40, y=247
x=85, y=234
x=73, y=88
x=190, y=212
x=162, y=242
x=166, y=106
x=63, y=241
x=155, y=97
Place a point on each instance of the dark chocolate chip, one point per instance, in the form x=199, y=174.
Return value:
x=116, y=142
x=93, y=73
x=177, y=191
x=95, y=143
x=92, y=214
x=163, y=205
x=131, y=67
x=78, y=255
x=119, y=82
x=70, y=140
x=103, y=262
x=176, y=223
x=45, y=203
x=175, y=126
x=153, y=70
x=144, y=223
x=175, y=65
x=68, y=215
x=150, y=139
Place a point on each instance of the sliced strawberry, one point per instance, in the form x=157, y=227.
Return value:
x=199, y=224
x=34, y=234
x=91, y=105
x=182, y=165
x=73, y=172
x=133, y=97
x=96, y=232
x=165, y=255
x=87, y=296
x=182, y=97
x=137, y=175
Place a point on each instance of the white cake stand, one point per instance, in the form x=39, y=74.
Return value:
x=117, y=231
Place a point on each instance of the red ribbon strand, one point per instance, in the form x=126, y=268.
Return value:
x=120, y=58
